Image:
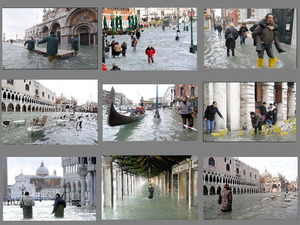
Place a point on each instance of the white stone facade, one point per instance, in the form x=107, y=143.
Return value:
x=169, y=96
x=26, y=96
x=236, y=100
x=218, y=171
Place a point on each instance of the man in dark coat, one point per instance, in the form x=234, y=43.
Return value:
x=112, y=45
x=231, y=34
x=243, y=33
x=30, y=44
x=59, y=206
x=138, y=34
x=26, y=204
x=257, y=121
x=124, y=47
x=115, y=67
x=263, y=109
x=52, y=46
x=209, y=116
x=74, y=43
x=270, y=117
x=150, y=191
x=219, y=28
x=267, y=35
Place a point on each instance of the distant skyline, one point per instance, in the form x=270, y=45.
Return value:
x=29, y=165
x=135, y=91
x=81, y=90
x=287, y=166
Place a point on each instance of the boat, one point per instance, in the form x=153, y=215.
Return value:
x=36, y=127
x=116, y=119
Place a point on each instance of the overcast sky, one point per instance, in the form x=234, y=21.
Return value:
x=287, y=166
x=132, y=91
x=16, y=20
x=29, y=165
x=82, y=90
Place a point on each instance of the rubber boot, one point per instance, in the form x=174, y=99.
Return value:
x=152, y=60
x=272, y=62
x=260, y=62
x=148, y=60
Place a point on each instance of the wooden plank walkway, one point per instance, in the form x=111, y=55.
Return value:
x=61, y=52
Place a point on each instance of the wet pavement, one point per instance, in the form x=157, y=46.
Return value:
x=232, y=136
x=138, y=206
x=42, y=212
x=16, y=56
x=253, y=207
x=215, y=54
x=150, y=129
x=54, y=134
x=170, y=54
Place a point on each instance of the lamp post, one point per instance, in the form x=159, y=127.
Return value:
x=112, y=19
x=40, y=190
x=193, y=47
x=156, y=111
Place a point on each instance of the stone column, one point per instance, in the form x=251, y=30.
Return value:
x=190, y=187
x=268, y=92
x=220, y=98
x=282, y=107
x=125, y=185
x=208, y=96
x=82, y=171
x=291, y=100
x=247, y=104
x=119, y=182
x=107, y=181
x=233, y=105
x=129, y=183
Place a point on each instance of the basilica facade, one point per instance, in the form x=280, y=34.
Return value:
x=67, y=23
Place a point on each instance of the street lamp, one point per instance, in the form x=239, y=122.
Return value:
x=40, y=190
x=193, y=47
x=156, y=111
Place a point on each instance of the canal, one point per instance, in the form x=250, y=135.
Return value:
x=138, y=206
x=150, y=129
x=42, y=212
x=53, y=134
x=253, y=207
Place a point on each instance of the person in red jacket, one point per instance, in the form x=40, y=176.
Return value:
x=150, y=51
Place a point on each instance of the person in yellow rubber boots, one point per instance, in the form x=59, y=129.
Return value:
x=267, y=35
x=74, y=43
x=52, y=46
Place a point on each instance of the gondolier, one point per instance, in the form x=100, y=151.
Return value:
x=186, y=111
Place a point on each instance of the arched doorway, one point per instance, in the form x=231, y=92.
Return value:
x=45, y=31
x=205, y=191
x=24, y=108
x=218, y=190
x=10, y=107
x=57, y=31
x=18, y=108
x=3, y=107
x=212, y=190
x=234, y=191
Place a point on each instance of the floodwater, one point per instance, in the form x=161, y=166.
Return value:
x=170, y=54
x=138, y=206
x=150, y=129
x=253, y=207
x=232, y=136
x=16, y=56
x=215, y=54
x=42, y=212
x=53, y=134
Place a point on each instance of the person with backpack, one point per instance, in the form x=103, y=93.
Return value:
x=26, y=204
x=219, y=28
x=231, y=34
x=124, y=47
x=59, y=206
x=134, y=43
x=243, y=33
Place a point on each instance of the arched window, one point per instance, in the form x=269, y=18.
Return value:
x=36, y=91
x=182, y=91
x=250, y=174
x=48, y=96
x=227, y=167
x=255, y=176
x=192, y=91
x=211, y=161
x=26, y=87
x=237, y=170
x=224, y=159
x=43, y=94
x=244, y=172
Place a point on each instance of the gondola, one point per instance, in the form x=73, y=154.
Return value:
x=115, y=118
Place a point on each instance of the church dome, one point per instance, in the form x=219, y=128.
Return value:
x=266, y=174
x=42, y=171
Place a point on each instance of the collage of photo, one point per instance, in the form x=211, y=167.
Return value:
x=88, y=113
